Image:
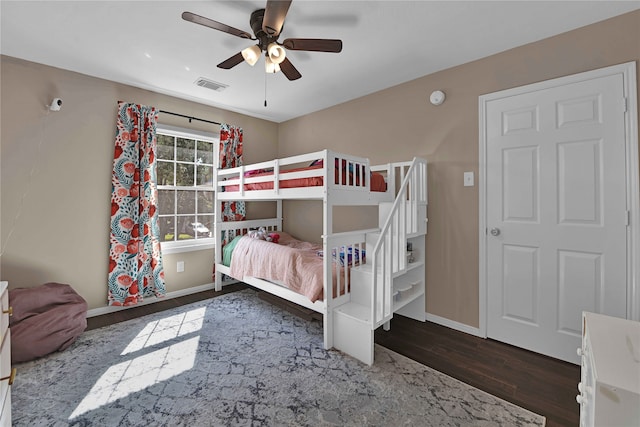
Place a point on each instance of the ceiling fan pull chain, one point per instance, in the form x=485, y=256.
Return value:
x=265, y=89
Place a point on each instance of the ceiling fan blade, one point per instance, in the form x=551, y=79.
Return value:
x=197, y=19
x=315, y=45
x=231, y=62
x=274, y=14
x=289, y=70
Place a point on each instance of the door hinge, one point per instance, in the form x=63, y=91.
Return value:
x=628, y=219
x=624, y=104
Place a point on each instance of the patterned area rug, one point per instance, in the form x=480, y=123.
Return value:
x=236, y=360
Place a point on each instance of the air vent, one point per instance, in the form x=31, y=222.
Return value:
x=210, y=84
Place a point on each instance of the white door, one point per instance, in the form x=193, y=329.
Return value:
x=556, y=213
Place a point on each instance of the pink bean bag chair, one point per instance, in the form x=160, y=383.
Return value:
x=45, y=319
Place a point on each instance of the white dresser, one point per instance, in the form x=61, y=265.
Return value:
x=610, y=373
x=7, y=374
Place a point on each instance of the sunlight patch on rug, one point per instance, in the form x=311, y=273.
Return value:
x=134, y=375
x=166, y=329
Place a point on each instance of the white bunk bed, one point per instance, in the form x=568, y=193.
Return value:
x=355, y=301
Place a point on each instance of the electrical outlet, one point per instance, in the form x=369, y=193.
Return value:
x=180, y=266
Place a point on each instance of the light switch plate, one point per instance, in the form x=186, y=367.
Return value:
x=468, y=179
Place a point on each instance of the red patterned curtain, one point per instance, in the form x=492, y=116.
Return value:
x=230, y=157
x=135, y=261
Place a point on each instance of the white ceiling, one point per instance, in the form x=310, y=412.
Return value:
x=147, y=44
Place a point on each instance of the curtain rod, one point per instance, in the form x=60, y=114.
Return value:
x=189, y=117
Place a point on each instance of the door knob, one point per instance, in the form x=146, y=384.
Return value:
x=495, y=231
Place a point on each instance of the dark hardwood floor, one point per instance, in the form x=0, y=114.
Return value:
x=541, y=384
x=538, y=383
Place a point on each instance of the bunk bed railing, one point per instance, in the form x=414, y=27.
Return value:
x=336, y=172
x=347, y=251
x=389, y=253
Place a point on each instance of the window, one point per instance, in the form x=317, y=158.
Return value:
x=185, y=162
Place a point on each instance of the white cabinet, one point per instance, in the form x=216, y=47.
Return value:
x=609, y=388
x=7, y=374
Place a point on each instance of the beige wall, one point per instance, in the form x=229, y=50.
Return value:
x=61, y=230
x=56, y=175
x=399, y=123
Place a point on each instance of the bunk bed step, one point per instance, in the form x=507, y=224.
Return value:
x=353, y=332
x=368, y=269
x=355, y=311
x=372, y=238
x=361, y=284
x=361, y=279
x=383, y=212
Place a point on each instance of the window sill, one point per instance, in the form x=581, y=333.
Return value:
x=173, y=248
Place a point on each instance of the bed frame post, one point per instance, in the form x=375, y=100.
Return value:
x=217, y=233
x=327, y=229
x=279, y=214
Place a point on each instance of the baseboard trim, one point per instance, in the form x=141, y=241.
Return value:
x=454, y=325
x=173, y=294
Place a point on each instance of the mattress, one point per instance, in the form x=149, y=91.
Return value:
x=296, y=264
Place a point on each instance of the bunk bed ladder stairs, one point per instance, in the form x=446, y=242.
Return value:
x=390, y=281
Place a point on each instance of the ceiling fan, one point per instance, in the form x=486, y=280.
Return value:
x=267, y=24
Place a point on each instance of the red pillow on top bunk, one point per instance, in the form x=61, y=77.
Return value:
x=378, y=183
x=320, y=162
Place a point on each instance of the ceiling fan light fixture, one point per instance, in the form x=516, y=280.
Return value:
x=270, y=66
x=276, y=53
x=251, y=54
x=267, y=25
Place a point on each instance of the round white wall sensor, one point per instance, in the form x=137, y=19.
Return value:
x=437, y=97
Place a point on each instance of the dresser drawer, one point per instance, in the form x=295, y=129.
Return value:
x=4, y=315
x=5, y=365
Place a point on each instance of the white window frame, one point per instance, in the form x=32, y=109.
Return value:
x=180, y=246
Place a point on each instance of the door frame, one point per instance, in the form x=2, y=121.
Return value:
x=628, y=71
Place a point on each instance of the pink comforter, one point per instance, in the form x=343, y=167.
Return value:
x=292, y=262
